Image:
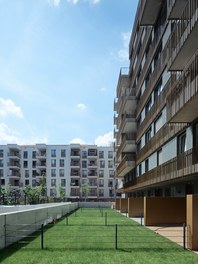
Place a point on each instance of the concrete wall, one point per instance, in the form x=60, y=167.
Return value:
x=164, y=210
x=33, y=218
x=124, y=205
x=192, y=221
x=135, y=207
x=117, y=204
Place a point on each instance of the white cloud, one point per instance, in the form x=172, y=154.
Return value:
x=54, y=2
x=103, y=89
x=81, y=106
x=94, y=2
x=123, y=53
x=8, y=107
x=105, y=140
x=77, y=141
x=10, y=136
x=73, y=1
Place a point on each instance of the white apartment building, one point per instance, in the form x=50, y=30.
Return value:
x=65, y=166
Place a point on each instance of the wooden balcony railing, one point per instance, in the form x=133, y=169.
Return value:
x=167, y=132
x=159, y=68
x=182, y=29
x=183, y=165
x=156, y=108
x=184, y=90
x=149, y=58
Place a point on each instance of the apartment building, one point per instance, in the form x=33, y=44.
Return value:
x=156, y=104
x=65, y=166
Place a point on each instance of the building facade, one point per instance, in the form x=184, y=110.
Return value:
x=64, y=166
x=156, y=105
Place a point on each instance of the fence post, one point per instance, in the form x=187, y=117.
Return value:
x=42, y=236
x=5, y=231
x=141, y=218
x=184, y=236
x=116, y=236
x=105, y=218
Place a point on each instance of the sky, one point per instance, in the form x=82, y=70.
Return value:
x=59, y=66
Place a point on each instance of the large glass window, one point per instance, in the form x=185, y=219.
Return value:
x=63, y=153
x=53, y=172
x=53, y=163
x=110, y=154
x=53, y=152
x=110, y=163
x=62, y=163
x=53, y=182
x=61, y=172
x=25, y=154
x=181, y=143
x=102, y=164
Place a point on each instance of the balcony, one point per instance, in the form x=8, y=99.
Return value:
x=92, y=153
x=149, y=11
x=75, y=153
x=126, y=165
x=176, y=8
x=166, y=133
x=14, y=175
x=183, y=98
x=182, y=42
x=184, y=166
x=14, y=155
x=128, y=144
x=41, y=165
x=14, y=165
x=128, y=123
x=123, y=81
x=75, y=163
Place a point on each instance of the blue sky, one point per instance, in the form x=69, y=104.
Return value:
x=59, y=66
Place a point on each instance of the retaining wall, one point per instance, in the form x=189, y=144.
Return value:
x=32, y=216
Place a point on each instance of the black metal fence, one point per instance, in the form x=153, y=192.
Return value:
x=86, y=236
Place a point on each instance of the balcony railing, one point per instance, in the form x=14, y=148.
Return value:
x=156, y=108
x=167, y=132
x=183, y=99
x=128, y=142
x=179, y=167
x=182, y=42
x=153, y=48
x=126, y=165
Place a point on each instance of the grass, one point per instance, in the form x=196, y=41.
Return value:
x=94, y=242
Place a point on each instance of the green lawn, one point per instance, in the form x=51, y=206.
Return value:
x=87, y=236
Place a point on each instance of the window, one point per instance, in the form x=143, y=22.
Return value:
x=147, y=79
x=53, y=152
x=53, y=172
x=63, y=182
x=158, y=123
x=63, y=153
x=110, y=183
x=61, y=172
x=25, y=154
x=34, y=184
x=101, y=183
x=110, y=154
x=1, y=153
x=159, y=157
x=1, y=163
x=92, y=152
x=84, y=154
x=62, y=163
x=101, y=154
x=111, y=173
x=148, y=135
x=26, y=173
x=53, y=163
x=27, y=182
x=110, y=163
x=110, y=193
x=139, y=146
x=181, y=143
x=34, y=164
x=140, y=169
x=1, y=173
x=84, y=164
x=34, y=154
x=102, y=164
x=101, y=173
x=34, y=173
x=195, y=135
x=84, y=173
x=53, y=182
x=148, y=106
x=52, y=192
x=101, y=192
x=146, y=165
x=25, y=164
x=158, y=89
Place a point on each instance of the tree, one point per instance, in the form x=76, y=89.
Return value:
x=62, y=193
x=85, y=189
x=32, y=194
